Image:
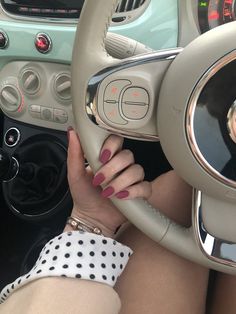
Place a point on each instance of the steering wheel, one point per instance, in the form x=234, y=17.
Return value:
x=185, y=98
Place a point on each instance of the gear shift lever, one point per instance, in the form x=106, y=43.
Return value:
x=9, y=166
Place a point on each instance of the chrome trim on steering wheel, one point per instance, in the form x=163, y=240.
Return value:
x=217, y=250
x=95, y=81
x=190, y=118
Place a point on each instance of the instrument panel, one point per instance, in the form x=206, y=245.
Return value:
x=212, y=13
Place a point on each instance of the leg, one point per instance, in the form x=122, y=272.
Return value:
x=156, y=280
x=222, y=299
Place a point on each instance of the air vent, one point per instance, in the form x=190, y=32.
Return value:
x=129, y=10
x=129, y=5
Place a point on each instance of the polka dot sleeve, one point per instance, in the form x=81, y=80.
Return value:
x=76, y=254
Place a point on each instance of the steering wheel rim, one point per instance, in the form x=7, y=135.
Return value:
x=90, y=58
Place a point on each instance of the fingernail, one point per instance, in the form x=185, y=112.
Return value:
x=122, y=194
x=98, y=179
x=69, y=129
x=108, y=191
x=105, y=156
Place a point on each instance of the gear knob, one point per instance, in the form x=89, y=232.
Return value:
x=9, y=166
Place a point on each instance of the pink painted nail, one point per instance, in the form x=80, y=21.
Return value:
x=108, y=191
x=122, y=194
x=105, y=156
x=98, y=179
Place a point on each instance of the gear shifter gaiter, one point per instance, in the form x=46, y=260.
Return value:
x=42, y=180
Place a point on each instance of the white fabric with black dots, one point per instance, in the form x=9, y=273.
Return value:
x=76, y=254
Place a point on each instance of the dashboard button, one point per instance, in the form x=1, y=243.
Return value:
x=35, y=111
x=112, y=113
x=113, y=90
x=3, y=40
x=12, y=137
x=43, y=43
x=135, y=95
x=134, y=111
x=47, y=113
x=60, y=116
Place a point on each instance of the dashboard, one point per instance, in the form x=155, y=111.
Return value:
x=37, y=41
x=27, y=27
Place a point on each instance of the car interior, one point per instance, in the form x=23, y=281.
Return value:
x=165, y=81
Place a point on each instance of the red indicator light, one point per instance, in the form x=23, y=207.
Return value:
x=214, y=15
x=114, y=90
x=112, y=113
x=43, y=43
x=227, y=13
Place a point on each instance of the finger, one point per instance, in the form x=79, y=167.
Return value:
x=75, y=157
x=139, y=190
x=110, y=147
x=113, y=167
x=127, y=178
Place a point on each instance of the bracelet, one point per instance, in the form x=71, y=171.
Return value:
x=80, y=225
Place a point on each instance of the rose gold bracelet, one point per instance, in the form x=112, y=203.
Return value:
x=78, y=224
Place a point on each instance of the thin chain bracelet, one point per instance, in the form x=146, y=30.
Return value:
x=80, y=225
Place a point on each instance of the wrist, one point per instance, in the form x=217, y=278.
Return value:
x=91, y=224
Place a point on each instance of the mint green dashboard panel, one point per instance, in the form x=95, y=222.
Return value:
x=21, y=42
x=157, y=28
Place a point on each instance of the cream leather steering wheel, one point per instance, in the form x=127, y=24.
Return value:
x=166, y=95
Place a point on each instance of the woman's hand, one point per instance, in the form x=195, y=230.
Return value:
x=119, y=176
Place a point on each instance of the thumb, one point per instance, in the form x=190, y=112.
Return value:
x=75, y=157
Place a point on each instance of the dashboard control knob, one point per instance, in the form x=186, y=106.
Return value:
x=10, y=98
x=9, y=166
x=62, y=86
x=30, y=81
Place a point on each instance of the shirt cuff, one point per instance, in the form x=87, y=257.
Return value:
x=76, y=254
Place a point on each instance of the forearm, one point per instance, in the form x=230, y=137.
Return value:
x=62, y=295
x=69, y=261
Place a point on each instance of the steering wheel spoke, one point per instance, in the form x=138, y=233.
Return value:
x=215, y=229
x=123, y=98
